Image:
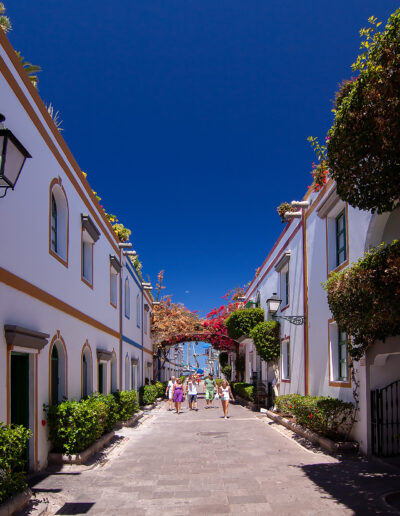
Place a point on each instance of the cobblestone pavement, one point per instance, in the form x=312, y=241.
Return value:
x=199, y=463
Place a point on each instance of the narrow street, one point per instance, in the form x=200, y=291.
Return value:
x=200, y=463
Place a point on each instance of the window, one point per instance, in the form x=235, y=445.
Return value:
x=127, y=299
x=113, y=287
x=53, y=224
x=338, y=356
x=114, y=382
x=87, y=261
x=340, y=238
x=58, y=222
x=284, y=286
x=343, y=365
x=90, y=235
x=145, y=322
x=127, y=375
x=134, y=378
x=285, y=366
x=138, y=311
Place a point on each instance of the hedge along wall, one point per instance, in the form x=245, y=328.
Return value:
x=241, y=322
x=365, y=298
x=13, y=442
x=75, y=425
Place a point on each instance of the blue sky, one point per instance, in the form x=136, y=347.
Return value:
x=190, y=117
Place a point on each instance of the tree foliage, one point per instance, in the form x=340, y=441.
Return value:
x=363, y=144
x=241, y=322
x=365, y=298
x=266, y=337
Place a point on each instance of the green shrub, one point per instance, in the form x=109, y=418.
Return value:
x=161, y=387
x=365, y=298
x=218, y=381
x=241, y=322
x=322, y=414
x=127, y=404
x=75, y=425
x=227, y=371
x=13, y=442
x=244, y=390
x=147, y=394
x=266, y=337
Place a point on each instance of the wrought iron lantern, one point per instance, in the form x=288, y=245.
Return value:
x=273, y=304
x=12, y=158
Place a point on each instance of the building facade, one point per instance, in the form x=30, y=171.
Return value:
x=324, y=236
x=61, y=270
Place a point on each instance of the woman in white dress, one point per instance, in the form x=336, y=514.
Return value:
x=170, y=391
x=225, y=393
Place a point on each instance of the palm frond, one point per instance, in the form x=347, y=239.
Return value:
x=30, y=69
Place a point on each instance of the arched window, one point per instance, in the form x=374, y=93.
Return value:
x=58, y=370
x=58, y=230
x=138, y=311
x=127, y=299
x=87, y=385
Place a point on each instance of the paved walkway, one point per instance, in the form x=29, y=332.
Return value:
x=199, y=463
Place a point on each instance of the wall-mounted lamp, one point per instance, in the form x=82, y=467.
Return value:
x=273, y=304
x=12, y=158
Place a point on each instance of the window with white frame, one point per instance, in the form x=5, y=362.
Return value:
x=127, y=300
x=90, y=235
x=145, y=317
x=338, y=355
x=285, y=359
x=58, y=222
x=334, y=210
x=138, y=311
x=127, y=375
x=113, y=287
x=134, y=375
x=282, y=268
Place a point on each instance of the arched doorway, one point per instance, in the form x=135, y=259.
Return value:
x=87, y=371
x=114, y=384
x=57, y=370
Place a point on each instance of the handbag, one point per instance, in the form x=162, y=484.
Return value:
x=216, y=397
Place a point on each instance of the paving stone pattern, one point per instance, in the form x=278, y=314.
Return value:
x=199, y=463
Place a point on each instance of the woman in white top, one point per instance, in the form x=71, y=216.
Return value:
x=191, y=390
x=225, y=393
x=170, y=392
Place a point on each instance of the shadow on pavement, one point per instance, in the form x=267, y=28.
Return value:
x=357, y=483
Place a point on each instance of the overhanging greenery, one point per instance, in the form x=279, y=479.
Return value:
x=365, y=298
x=241, y=322
x=363, y=144
x=266, y=337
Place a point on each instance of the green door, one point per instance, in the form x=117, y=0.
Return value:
x=20, y=390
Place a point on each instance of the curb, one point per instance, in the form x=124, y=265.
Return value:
x=15, y=503
x=324, y=442
x=133, y=420
x=79, y=458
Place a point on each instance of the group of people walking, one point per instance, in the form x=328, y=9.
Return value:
x=176, y=391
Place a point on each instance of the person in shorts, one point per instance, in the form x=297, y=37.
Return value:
x=191, y=391
x=209, y=383
x=170, y=391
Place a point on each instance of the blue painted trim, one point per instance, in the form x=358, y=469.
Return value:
x=132, y=342
x=128, y=268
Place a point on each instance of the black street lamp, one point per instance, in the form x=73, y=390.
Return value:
x=273, y=304
x=12, y=158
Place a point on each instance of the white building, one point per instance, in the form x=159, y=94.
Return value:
x=328, y=236
x=60, y=274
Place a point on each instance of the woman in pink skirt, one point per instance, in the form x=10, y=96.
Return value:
x=178, y=395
